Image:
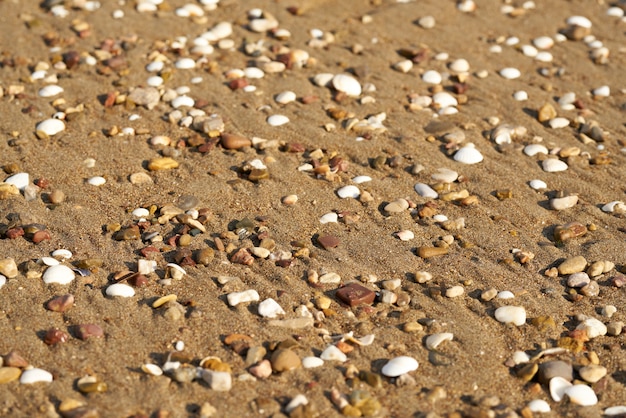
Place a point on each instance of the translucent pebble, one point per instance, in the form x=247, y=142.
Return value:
x=51, y=90
x=185, y=64
x=58, y=274
x=285, y=97
x=311, y=362
x=347, y=84
x=539, y=406
x=520, y=95
x=50, y=127
x=269, y=308
x=510, y=73
x=35, y=375
x=120, y=289
x=538, y=184
x=330, y=217
x=511, y=314
x=468, y=155
x=332, y=353
x=432, y=77
x=277, y=120
x=349, y=191
x=425, y=190
x=96, y=181
x=399, y=365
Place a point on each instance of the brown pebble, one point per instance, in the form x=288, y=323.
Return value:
x=238, y=83
x=233, y=141
x=354, y=294
x=86, y=331
x=15, y=233
x=427, y=252
x=55, y=336
x=205, y=256
x=546, y=112
x=9, y=374
x=60, y=303
x=328, y=241
x=41, y=236
x=162, y=163
x=56, y=196
x=128, y=234
x=242, y=256
x=284, y=359
x=14, y=359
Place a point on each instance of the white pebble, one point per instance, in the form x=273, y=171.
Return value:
x=3, y=281
x=50, y=127
x=218, y=381
x=405, y=235
x=285, y=97
x=120, y=289
x=544, y=56
x=185, y=64
x=543, y=42
x=566, y=101
x=615, y=12
x=332, y=353
x=459, y=66
x=432, y=77
x=19, y=180
x=141, y=213
x=269, y=308
x=323, y=79
x=253, y=72
x=444, y=99
x=51, y=90
x=181, y=101
x=403, y=66
x=433, y=341
x=511, y=314
x=534, y=149
x=505, y=294
x=529, y=51
x=520, y=357
x=155, y=66
x=35, y=375
x=552, y=165
x=539, y=406
x=96, y=181
x=445, y=175
x=220, y=31
x=602, y=91
x=330, y=217
x=581, y=395
x=399, y=365
x=347, y=84
x=520, y=95
x=154, y=81
x=538, y=184
x=510, y=73
x=311, y=362
x=49, y=261
x=558, y=123
x=146, y=266
x=58, y=274
x=425, y=190
x=440, y=218
x=615, y=410
x=152, y=369
x=235, y=298
x=297, y=401
x=361, y=179
x=277, y=120
x=349, y=191
x=581, y=21
x=468, y=155
x=593, y=327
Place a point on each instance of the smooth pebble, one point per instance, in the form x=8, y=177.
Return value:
x=330, y=217
x=347, y=84
x=520, y=95
x=3, y=281
x=558, y=123
x=510, y=73
x=603, y=91
x=96, y=181
x=399, y=365
x=312, y=362
x=593, y=327
x=35, y=375
x=51, y=90
x=433, y=341
x=19, y=180
x=511, y=314
x=581, y=21
x=120, y=289
x=361, y=179
x=581, y=395
x=50, y=127
x=269, y=308
x=349, y=191
x=552, y=165
x=235, y=298
x=277, y=120
x=432, y=77
x=285, y=97
x=534, y=149
x=459, y=66
x=425, y=190
x=333, y=353
x=538, y=184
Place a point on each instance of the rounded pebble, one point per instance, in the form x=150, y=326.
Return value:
x=552, y=165
x=534, y=149
x=50, y=127
x=35, y=376
x=269, y=308
x=432, y=77
x=515, y=315
x=51, y=90
x=538, y=184
x=425, y=190
x=399, y=365
x=349, y=191
x=510, y=73
x=539, y=406
x=330, y=217
x=96, y=181
x=120, y=289
x=58, y=274
x=19, y=180
x=347, y=84
x=312, y=362
x=581, y=395
x=285, y=97
x=332, y=353
x=277, y=120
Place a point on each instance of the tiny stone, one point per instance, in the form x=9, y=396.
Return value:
x=455, y=291
x=614, y=328
x=511, y=314
x=399, y=366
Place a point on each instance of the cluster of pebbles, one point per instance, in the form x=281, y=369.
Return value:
x=166, y=246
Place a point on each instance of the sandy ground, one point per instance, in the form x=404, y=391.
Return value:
x=472, y=368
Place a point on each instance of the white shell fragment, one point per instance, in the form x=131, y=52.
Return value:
x=50, y=127
x=347, y=84
x=468, y=155
x=603, y=91
x=581, y=395
x=120, y=289
x=616, y=206
x=539, y=406
x=349, y=191
x=445, y=175
x=269, y=308
x=615, y=410
x=361, y=179
x=62, y=254
x=35, y=376
x=459, y=66
x=534, y=149
x=405, y=235
x=236, y=298
x=515, y=315
x=3, y=281
x=152, y=369
x=433, y=341
x=58, y=274
x=425, y=190
x=19, y=180
x=277, y=120
x=399, y=365
x=510, y=73
x=50, y=91
x=333, y=353
x=552, y=165
x=444, y=99
x=520, y=95
x=593, y=327
x=558, y=386
x=432, y=77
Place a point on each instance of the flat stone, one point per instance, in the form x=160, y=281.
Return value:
x=354, y=294
x=572, y=265
x=148, y=97
x=86, y=331
x=592, y=373
x=555, y=368
x=328, y=241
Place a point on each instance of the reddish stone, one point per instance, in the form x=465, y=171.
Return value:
x=173, y=240
x=110, y=99
x=460, y=88
x=295, y=147
x=60, y=303
x=242, y=256
x=86, y=331
x=15, y=233
x=238, y=83
x=41, y=236
x=14, y=359
x=42, y=183
x=187, y=261
x=71, y=59
x=328, y=241
x=138, y=280
x=55, y=336
x=354, y=294
x=309, y=99
x=149, y=251
x=284, y=263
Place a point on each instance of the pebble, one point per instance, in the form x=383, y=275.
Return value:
x=615, y=411
x=311, y=362
x=285, y=97
x=538, y=184
x=558, y=386
x=261, y=370
x=152, y=369
x=445, y=175
x=520, y=95
x=511, y=314
x=62, y=254
x=333, y=353
x=592, y=373
x=9, y=374
x=581, y=395
x=404, y=66
x=283, y=359
x=603, y=91
x=354, y=294
x=8, y=268
x=579, y=279
x=162, y=163
x=19, y=180
x=86, y=331
x=49, y=127
x=562, y=203
x=445, y=100
x=349, y=191
x=330, y=217
x=328, y=241
x=405, y=235
x=459, y=66
x=455, y=291
x=182, y=101
x=50, y=90
x=555, y=368
x=218, y=381
x=121, y=290
x=233, y=141
x=3, y=281
x=269, y=308
x=572, y=265
x=96, y=181
x=433, y=341
x=593, y=327
x=235, y=298
x=552, y=165
x=558, y=123
x=347, y=84
x=432, y=77
x=58, y=274
x=468, y=155
x=581, y=21
x=427, y=22
x=539, y=406
x=616, y=206
x=35, y=375
x=426, y=191
x=505, y=294
x=60, y=303
x=510, y=73
x=399, y=365
x=277, y=120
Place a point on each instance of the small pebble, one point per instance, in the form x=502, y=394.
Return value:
x=312, y=362
x=284, y=359
x=347, y=84
x=468, y=155
x=269, y=308
x=58, y=274
x=603, y=91
x=236, y=298
x=538, y=184
x=592, y=373
x=330, y=217
x=35, y=375
x=121, y=290
x=593, y=327
x=581, y=395
x=455, y=291
x=277, y=120
x=572, y=265
x=562, y=203
x=218, y=381
x=552, y=165
x=511, y=314
x=539, y=406
x=332, y=353
x=426, y=191
x=433, y=341
x=50, y=127
x=399, y=366
x=510, y=73
x=86, y=331
x=285, y=97
x=349, y=191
